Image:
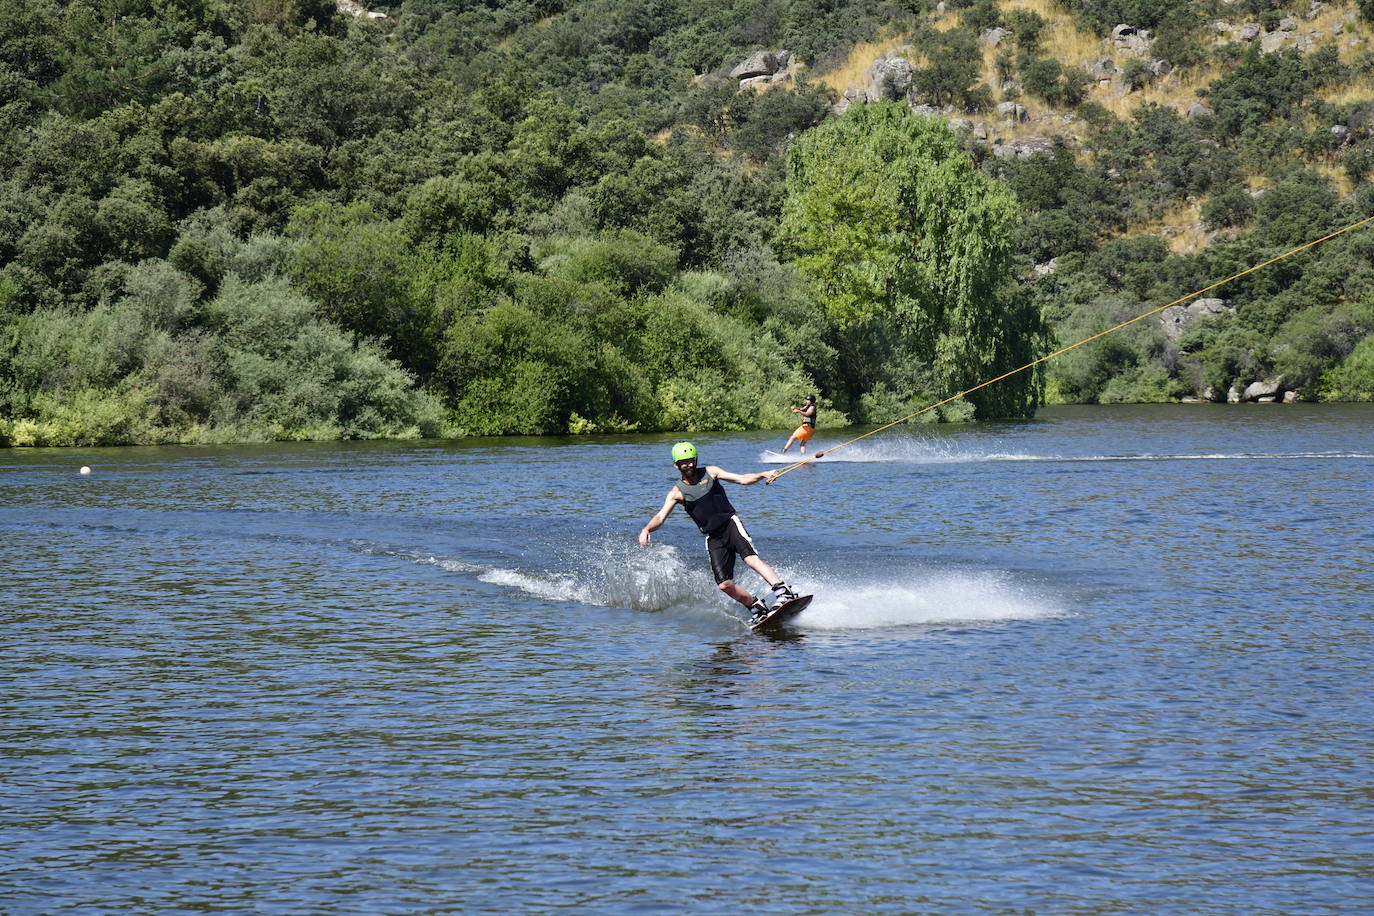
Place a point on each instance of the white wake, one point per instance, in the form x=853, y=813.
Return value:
x=916, y=451
x=925, y=599
x=659, y=578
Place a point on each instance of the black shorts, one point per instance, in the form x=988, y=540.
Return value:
x=726, y=544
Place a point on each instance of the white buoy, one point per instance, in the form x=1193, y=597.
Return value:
x=85, y=470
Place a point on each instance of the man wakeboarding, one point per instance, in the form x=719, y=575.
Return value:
x=701, y=493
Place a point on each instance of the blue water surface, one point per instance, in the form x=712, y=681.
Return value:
x=1109, y=660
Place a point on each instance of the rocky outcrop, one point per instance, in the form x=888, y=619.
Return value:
x=889, y=79
x=1130, y=40
x=1176, y=318
x=764, y=67
x=760, y=63
x=993, y=37
x=1264, y=392
x=357, y=10
x=1011, y=111
x=1024, y=148
x=1103, y=70
x=1290, y=32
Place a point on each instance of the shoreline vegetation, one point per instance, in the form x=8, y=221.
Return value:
x=226, y=222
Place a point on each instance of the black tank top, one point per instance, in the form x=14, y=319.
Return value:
x=707, y=503
x=809, y=420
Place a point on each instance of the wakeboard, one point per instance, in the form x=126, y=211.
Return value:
x=782, y=613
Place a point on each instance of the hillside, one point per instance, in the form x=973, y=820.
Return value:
x=307, y=220
x=1218, y=129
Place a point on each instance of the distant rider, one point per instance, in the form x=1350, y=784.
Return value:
x=807, y=429
x=700, y=492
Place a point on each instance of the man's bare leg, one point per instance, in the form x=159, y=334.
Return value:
x=736, y=592
x=770, y=575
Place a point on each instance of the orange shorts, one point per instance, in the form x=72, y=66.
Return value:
x=804, y=433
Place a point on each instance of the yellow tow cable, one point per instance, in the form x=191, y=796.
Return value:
x=954, y=397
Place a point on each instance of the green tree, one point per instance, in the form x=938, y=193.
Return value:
x=1353, y=379
x=890, y=218
x=953, y=76
x=293, y=376
x=352, y=265
x=1027, y=26
x=1232, y=207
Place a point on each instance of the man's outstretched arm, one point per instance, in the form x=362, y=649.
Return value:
x=653, y=524
x=743, y=480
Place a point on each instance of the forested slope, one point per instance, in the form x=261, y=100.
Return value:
x=278, y=220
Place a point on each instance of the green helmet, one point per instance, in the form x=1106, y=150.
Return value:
x=684, y=450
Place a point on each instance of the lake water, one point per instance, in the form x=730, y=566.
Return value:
x=1111, y=660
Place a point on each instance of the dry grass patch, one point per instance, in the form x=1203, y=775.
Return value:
x=1043, y=124
x=850, y=74
x=989, y=70
x=1353, y=40
x=1070, y=45
x=1180, y=227
x=1333, y=173
x=946, y=21
x=1177, y=90
x=1061, y=38
x=1361, y=89
x=1352, y=44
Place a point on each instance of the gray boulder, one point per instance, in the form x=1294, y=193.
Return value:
x=1103, y=69
x=1175, y=319
x=1011, y=111
x=1265, y=391
x=889, y=79
x=1129, y=38
x=1023, y=149
x=760, y=63
x=1273, y=41
x=993, y=37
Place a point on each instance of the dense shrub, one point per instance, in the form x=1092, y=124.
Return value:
x=1026, y=27
x=1229, y=209
x=623, y=260
x=294, y=376
x=1353, y=378
x=952, y=76
x=1264, y=86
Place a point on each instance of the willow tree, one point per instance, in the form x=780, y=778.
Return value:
x=890, y=219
